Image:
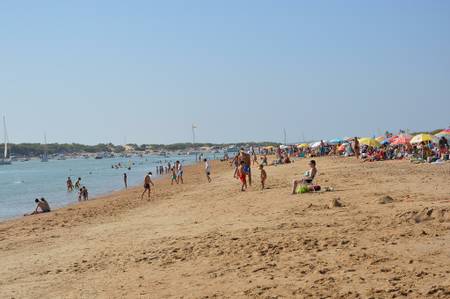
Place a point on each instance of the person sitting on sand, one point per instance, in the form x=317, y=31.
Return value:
x=42, y=206
x=263, y=176
x=308, y=177
x=242, y=175
x=147, y=183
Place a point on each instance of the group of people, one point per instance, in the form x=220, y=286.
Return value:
x=242, y=168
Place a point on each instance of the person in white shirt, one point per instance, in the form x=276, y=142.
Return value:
x=207, y=170
x=179, y=169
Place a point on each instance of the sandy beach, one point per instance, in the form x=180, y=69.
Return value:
x=201, y=240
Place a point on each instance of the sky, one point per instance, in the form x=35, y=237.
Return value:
x=145, y=71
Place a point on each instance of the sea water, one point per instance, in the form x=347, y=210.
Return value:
x=22, y=182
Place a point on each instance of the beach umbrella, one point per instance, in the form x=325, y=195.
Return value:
x=369, y=141
x=380, y=138
x=444, y=133
x=425, y=138
x=283, y=146
x=341, y=148
x=384, y=142
x=401, y=139
x=336, y=141
x=315, y=144
x=303, y=145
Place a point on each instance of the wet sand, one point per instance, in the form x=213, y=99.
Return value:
x=201, y=240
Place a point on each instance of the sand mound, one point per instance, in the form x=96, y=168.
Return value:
x=426, y=214
x=385, y=200
x=336, y=203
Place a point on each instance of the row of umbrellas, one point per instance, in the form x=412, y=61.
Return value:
x=395, y=140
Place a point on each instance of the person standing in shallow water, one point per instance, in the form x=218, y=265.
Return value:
x=69, y=185
x=125, y=180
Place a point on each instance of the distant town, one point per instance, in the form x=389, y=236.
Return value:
x=26, y=151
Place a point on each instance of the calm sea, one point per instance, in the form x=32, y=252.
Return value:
x=22, y=182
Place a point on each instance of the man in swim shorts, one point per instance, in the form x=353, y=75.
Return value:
x=147, y=185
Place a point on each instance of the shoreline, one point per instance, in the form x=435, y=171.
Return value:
x=256, y=243
x=94, y=197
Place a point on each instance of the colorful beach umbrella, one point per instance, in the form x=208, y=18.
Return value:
x=444, y=133
x=401, y=139
x=336, y=141
x=424, y=138
x=369, y=141
x=303, y=145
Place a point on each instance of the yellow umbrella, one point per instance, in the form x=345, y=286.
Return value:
x=303, y=145
x=424, y=137
x=369, y=141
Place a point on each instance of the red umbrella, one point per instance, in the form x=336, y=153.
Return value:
x=401, y=139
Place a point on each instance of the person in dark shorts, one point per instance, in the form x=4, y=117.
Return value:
x=147, y=185
x=207, y=170
x=42, y=206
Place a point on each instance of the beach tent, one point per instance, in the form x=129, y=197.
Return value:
x=304, y=145
x=424, y=137
x=401, y=139
x=369, y=141
x=336, y=141
x=444, y=133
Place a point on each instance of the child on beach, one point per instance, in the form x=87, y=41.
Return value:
x=207, y=170
x=263, y=176
x=174, y=176
x=242, y=175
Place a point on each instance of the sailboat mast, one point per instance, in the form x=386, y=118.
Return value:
x=5, y=154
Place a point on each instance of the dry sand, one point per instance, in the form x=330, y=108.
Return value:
x=205, y=240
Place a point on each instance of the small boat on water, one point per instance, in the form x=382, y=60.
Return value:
x=5, y=160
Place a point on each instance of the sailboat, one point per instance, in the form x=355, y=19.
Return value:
x=5, y=160
x=44, y=157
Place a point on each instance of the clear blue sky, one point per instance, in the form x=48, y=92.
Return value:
x=100, y=71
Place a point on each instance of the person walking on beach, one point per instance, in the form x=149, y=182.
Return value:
x=356, y=148
x=263, y=176
x=242, y=176
x=207, y=170
x=179, y=168
x=125, y=180
x=147, y=185
x=245, y=157
x=69, y=185
x=174, y=176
